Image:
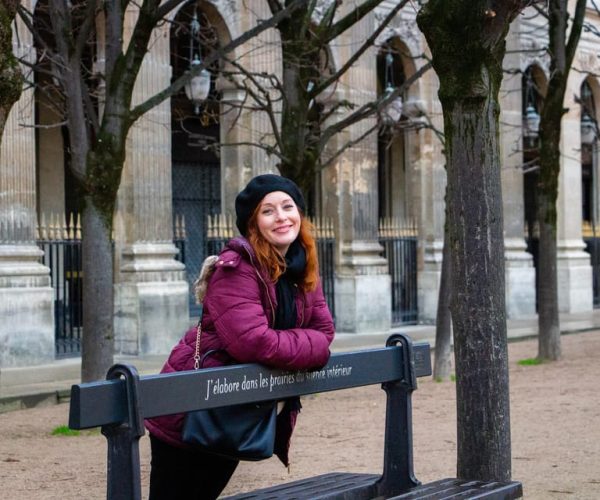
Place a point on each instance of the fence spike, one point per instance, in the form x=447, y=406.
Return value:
x=176, y=227
x=52, y=227
x=64, y=227
x=77, y=227
x=210, y=231
x=182, y=220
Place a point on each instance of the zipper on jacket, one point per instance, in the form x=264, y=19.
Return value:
x=263, y=282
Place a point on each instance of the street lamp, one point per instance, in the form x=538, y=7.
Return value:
x=392, y=112
x=531, y=125
x=588, y=129
x=198, y=87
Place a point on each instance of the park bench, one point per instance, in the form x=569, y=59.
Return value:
x=119, y=405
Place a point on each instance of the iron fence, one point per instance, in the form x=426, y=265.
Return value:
x=399, y=241
x=591, y=238
x=61, y=244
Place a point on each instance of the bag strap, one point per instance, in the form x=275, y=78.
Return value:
x=197, y=358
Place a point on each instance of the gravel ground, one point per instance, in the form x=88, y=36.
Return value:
x=555, y=414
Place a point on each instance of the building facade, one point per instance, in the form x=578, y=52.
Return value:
x=173, y=173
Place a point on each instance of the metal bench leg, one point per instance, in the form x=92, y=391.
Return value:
x=398, y=474
x=123, y=473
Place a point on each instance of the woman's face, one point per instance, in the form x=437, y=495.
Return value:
x=278, y=220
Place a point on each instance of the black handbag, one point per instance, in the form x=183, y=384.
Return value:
x=240, y=432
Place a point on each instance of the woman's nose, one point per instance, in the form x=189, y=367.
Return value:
x=280, y=213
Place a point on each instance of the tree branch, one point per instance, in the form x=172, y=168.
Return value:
x=367, y=44
x=349, y=144
x=370, y=108
x=351, y=19
x=575, y=33
x=178, y=84
x=267, y=106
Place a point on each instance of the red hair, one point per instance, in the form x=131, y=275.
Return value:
x=270, y=259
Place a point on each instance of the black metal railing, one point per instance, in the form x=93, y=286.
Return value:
x=399, y=241
x=61, y=245
x=591, y=238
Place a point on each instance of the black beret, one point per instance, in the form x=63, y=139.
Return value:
x=249, y=198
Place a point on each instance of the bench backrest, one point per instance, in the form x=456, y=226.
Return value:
x=120, y=404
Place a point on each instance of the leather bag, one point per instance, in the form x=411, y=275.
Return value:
x=239, y=432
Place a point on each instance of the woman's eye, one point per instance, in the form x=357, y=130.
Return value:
x=288, y=207
x=268, y=211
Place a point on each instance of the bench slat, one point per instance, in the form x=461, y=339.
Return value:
x=330, y=486
x=457, y=488
x=103, y=403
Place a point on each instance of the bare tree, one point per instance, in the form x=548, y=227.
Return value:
x=301, y=126
x=467, y=42
x=563, y=38
x=98, y=133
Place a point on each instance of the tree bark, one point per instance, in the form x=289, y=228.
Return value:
x=467, y=42
x=98, y=341
x=562, y=51
x=443, y=324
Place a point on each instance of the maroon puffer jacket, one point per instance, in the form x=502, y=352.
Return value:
x=238, y=311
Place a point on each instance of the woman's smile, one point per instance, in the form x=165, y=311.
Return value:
x=279, y=220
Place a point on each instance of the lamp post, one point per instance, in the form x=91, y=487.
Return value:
x=392, y=112
x=198, y=87
x=531, y=121
x=589, y=132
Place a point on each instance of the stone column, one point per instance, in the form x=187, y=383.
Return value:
x=575, y=293
x=26, y=297
x=242, y=126
x=520, y=272
x=151, y=293
x=362, y=285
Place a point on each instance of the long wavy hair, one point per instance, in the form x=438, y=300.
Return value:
x=270, y=259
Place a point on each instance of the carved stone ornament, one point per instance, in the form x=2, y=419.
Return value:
x=588, y=62
x=534, y=53
x=403, y=28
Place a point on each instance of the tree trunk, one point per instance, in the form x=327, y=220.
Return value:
x=98, y=340
x=547, y=187
x=561, y=51
x=11, y=79
x=466, y=39
x=548, y=319
x=443, y=324
x=478, y=302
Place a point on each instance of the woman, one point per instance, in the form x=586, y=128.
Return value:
x=263, y=304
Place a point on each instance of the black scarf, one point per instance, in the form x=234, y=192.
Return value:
x=295, y=260
x=286, y=317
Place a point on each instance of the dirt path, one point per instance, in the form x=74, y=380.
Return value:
x=555, y=432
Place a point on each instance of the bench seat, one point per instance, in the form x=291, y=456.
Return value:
x=458, y=488
x=341, y=486
x=333, y=486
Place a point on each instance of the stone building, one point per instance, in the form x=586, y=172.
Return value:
x=396, y=173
